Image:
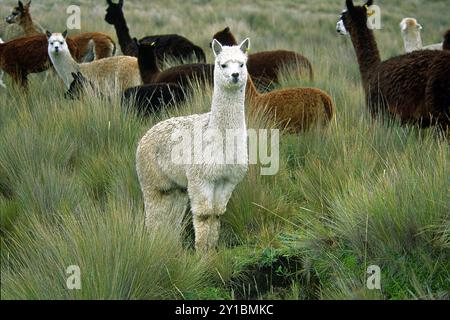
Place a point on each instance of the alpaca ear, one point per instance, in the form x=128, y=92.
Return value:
x=349, y=4
x=28, y=4
x=419, y=26
x=227, y=30
x=48, y=33
x=216, y=47
x=20, y=5
x=245, y=46
x=64, y=34
x=120, y=3
x=369, y=3
x=109, y=2
x=136, y=42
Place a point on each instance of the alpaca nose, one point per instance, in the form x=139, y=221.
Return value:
x=235, y=75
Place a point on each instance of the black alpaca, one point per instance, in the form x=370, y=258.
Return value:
x=183, y=75
x=170, y=46
x=414, y=86
x=151, y=98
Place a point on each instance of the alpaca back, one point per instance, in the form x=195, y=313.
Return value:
x=118, y=72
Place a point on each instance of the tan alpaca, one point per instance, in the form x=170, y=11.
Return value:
x=412, y=39
x=91, y=45
x=109, y=74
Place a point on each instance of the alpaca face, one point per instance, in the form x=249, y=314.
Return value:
x=410, y=25
x=354, y=17
x=114, y=11
x=231, y=64
x=57, y=43
x=18, y=13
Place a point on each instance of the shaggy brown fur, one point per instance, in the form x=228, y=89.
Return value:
x=182, y=75
x=265, y=67
x=415, y=86
x=294, y=109
x=446, y=44
x=103, y=45
x=169, y=45
x=20, y=57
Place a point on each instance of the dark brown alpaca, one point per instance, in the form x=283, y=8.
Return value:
x=182, y=75
x=265, y=66
x=91, y=45
x=169, y=45
x=415, y=86
x=20, y=57
x=446, y=44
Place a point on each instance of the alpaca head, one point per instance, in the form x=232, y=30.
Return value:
x=19, y=13
x=230, y=69
x=57, y=43
x=353, y=18
x=446, y=44
x=225, y=37
x=146, y=50
x=114, y=11
x=410, y=25
x=76, y=86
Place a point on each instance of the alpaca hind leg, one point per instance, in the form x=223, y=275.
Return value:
x=165, y=208
x=222, y=195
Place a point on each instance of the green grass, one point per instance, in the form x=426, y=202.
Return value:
x=355, y=194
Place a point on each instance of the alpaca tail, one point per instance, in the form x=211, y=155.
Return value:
x=114, y=48
x=310, y=70
x=329, y=106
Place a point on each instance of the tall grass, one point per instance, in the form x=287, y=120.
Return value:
x=358, y=193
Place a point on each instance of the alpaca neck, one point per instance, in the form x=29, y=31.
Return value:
x=412, y=41
x=148, y=68
x=64, y=65
x=227, y=108
x=123, y=33
x=366, y=51
x=28, y=26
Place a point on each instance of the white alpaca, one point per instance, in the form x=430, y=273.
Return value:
x=119, y=72
x=2, y=84
x=165, y=175
x=412, y=39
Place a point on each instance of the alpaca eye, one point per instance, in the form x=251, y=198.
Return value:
x=242, y=65
x=224, y=66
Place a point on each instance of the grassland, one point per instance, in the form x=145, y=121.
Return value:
x=357, y=194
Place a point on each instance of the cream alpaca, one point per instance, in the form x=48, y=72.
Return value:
x=412, y=39
x=209, y=182
x=119, y=72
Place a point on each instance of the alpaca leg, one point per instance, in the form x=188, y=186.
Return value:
x=222, y=195
x=206, y=232
x=165, y=208
x=201, y=194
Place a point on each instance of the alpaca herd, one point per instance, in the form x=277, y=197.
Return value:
x=413, y=87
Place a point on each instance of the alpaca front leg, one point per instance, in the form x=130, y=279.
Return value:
x=206, y=232
x=201, y=194
x=222, y=195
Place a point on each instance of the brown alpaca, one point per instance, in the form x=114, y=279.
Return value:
x=265, y=66
x=446, y=44
x=415, y=86
x=295, y=109
x=23, y=56
x=103, y=45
